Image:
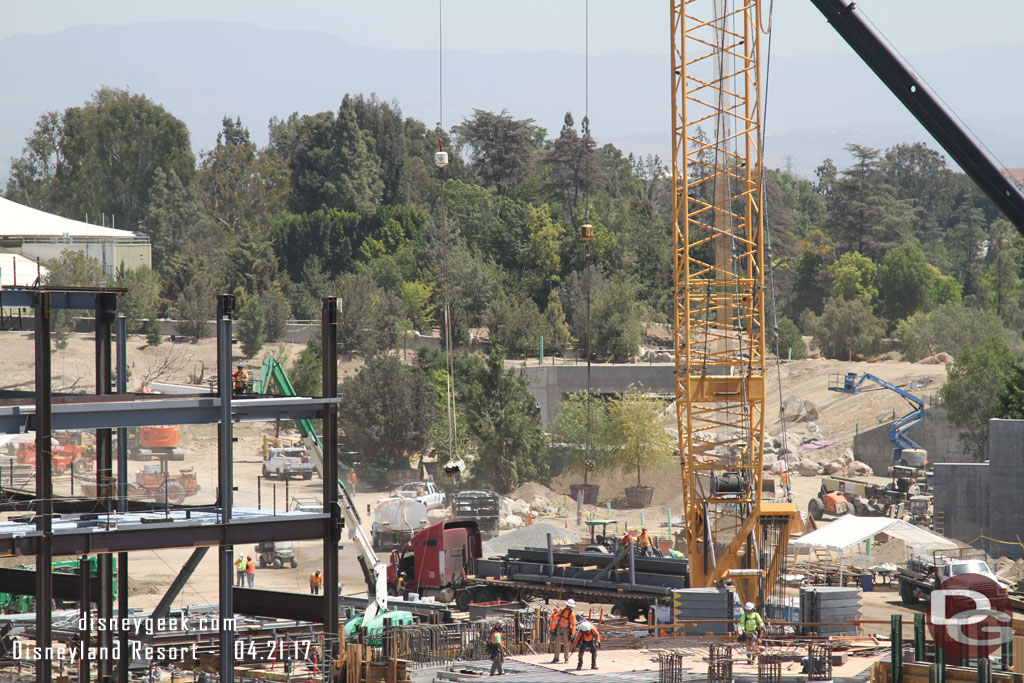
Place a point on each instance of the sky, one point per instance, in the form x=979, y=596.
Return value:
x=490, y=27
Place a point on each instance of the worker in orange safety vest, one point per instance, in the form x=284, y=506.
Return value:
x=563, y=625
x=627, y=538
x=241, y=378
x=316, y=580
x=250, y=570
x=587, y=638
x=644, y=543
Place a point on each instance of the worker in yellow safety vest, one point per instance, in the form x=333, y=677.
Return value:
x=751, y=628
x=563, y=625
x=316, y=580
x=240, y=570
x=496, y=649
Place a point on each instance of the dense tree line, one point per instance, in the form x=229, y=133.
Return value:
x=895, y=251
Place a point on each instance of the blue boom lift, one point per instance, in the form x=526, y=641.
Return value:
x=905, y=451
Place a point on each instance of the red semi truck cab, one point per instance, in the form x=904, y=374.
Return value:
x=438, y=558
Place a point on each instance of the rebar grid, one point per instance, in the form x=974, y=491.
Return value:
x=819, y=661
x=719, y=664
x=769, y=668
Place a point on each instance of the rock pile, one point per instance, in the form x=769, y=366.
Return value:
x=514, y=512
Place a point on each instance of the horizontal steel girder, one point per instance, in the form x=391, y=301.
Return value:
x=84, y=299
x=92, y=414
x=254, y=602
x=178, y=534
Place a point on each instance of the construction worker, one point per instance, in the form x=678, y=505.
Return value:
x=240, y=570
x=352, y=481
x=250, y=570
x=241, y=378
x=496, y=649
x=627, y=538
x=751, y=628
x=563, y=626
x=675, y=554
x=644, y=542
x=400, y=586
x=587, y=638
x=316, y=580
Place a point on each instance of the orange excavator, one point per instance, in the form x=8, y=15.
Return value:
x=155, y=441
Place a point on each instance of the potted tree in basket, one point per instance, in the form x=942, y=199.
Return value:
x=569, y=434
x=637, y=436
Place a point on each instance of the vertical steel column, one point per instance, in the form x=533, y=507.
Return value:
x=896, y=639
x=329, y=346
x=121, y=338
x=85, y=579
x=106, y=305
x=919, y=637
x=44, y=487
x=225, y=481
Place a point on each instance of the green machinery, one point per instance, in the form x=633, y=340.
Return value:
x=19, y=604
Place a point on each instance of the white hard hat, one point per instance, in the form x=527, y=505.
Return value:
x=585, y=625
x=570, y=603
x=749, y=606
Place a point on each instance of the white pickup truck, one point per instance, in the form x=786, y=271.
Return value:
x=425, y=492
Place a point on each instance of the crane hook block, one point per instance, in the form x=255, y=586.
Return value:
x=440, y=159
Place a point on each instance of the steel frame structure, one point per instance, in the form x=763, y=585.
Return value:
x=719, y=291
x=106, y=412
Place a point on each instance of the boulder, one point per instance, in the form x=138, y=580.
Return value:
x=861, y=469
x=792, y=444
x=833, y=468
x=505, y=506
x=541, y=505
x=520, y=507
x=769, y=460
x=777, y=466
x=808, y=468
x=510, y=522
x=848, y=456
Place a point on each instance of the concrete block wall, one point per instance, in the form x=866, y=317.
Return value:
x=935, y=433
x=962, y=495
x=1006, y=486
x=985, y=498
x=551, y=383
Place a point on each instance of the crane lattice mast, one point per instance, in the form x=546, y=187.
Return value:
x=719, y=295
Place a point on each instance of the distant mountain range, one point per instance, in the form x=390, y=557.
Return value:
x=201, y=71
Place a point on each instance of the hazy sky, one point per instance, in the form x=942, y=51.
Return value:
x=488, y=26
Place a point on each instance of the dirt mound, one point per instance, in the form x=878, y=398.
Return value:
x=665, y=478
x=531, y=490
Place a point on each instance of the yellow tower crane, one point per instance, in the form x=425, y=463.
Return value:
x=719, y=296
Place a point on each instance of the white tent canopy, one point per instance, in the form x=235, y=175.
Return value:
x=849, y=530
x=17, y=220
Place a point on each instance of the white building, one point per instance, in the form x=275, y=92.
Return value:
x=29, y=238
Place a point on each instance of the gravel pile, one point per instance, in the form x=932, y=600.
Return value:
x=532, y=536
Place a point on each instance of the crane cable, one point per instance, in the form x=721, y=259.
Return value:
x=784, y=448
x=453, y=466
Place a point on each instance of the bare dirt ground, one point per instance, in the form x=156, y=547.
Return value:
x=839, y=417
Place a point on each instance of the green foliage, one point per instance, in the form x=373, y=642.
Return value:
x=845, y=329
x=948, y=328
x=251, y=322
x=569, y=431
x=241, y=186
x=276, y=313
x=555, y=328
x=368, y=315
x=1011, y=398
x=616, y=320
x=71, y=269
x=853, y=277
x=140, y=303
x=905, y=280
x=101, y=158
x=307, y=372
x=968, y=393
x=500, y=148
x=790, y=340
x=416, y=298
x=176, y=223
x=515, y=324
x=331, y=164
x=636, y=432
x=387, y=412
x=195, y=309
x=504, y=423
